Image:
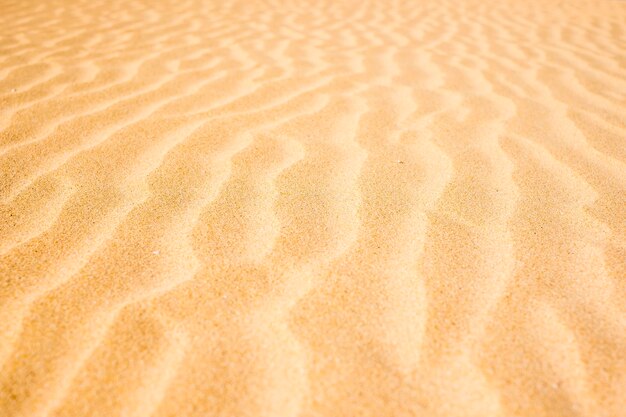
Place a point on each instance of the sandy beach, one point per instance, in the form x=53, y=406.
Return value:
x=288, y=208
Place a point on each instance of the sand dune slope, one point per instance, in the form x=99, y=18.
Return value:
x=286, y=208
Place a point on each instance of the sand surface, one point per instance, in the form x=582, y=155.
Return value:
x=296, y=208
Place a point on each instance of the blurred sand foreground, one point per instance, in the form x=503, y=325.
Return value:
x=304, y=209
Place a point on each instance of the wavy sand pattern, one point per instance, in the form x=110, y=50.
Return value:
x=289, y=208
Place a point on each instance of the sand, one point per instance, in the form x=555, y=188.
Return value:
x=291, y=208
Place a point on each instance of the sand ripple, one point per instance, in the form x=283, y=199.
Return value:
x=280, y=208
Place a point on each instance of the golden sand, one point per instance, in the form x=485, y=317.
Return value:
x=296, y=208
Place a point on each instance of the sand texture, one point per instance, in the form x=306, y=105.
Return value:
x=312, y=208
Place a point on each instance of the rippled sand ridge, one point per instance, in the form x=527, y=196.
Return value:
x=288, y=208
